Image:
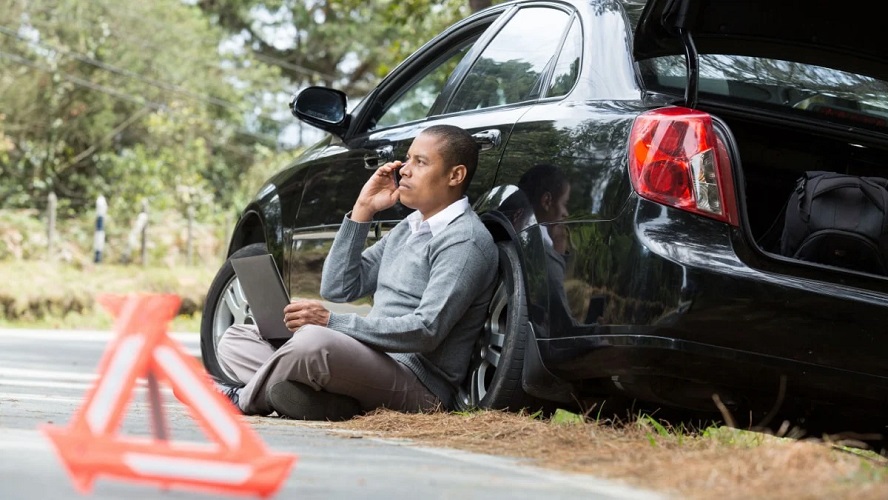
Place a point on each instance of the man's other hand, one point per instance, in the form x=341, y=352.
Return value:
x=379, y=193
x=299, y=313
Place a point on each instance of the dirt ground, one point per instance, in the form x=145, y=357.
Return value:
x=718, y=462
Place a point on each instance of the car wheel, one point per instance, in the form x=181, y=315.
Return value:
x=495, y=371
x=225, y=305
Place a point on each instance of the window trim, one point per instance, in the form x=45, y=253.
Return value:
x=545, y=95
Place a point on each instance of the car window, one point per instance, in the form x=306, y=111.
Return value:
x=512, y=67
x=415, y=102
x=567, y=68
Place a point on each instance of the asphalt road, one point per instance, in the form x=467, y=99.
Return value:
x=44, y=376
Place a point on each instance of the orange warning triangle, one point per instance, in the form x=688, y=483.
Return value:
x=236, y=460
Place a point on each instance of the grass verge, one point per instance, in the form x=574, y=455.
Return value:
x=36, y=294
x=715, y=462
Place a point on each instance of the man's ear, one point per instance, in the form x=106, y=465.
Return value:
x=457, y=175
x=546, y=201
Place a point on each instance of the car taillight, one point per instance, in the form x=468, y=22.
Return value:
x=675, y=158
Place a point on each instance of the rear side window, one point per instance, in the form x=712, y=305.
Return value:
x=567, y=68
x=514, y=65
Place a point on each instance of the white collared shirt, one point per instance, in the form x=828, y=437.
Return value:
x=436, y=223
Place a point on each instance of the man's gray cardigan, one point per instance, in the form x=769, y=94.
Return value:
x=430, y=299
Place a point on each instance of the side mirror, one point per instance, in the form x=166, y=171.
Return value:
x=322, y=107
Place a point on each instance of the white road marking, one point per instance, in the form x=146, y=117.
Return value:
x=45, y=374
x=43, y=383
x=84, y=335
x=189, y=340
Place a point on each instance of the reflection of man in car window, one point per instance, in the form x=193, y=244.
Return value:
x=431, y=279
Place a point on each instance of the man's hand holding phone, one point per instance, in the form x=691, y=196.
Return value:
x=379, y=192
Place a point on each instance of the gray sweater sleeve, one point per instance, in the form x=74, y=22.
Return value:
x=350, y=272
x=456, y=268
x=444, y=278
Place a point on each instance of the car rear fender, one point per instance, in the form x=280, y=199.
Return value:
x=497, y=212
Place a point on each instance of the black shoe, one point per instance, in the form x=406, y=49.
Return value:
x=229, y=391
x=301, y=402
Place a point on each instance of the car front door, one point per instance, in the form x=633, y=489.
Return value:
x=481, y=76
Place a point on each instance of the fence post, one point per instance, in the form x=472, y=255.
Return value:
x=189, y=251
x=99, y=239
x=143, y=216
x=50, y=230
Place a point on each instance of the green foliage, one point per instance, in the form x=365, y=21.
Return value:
x=729, y=436
x=135, y=103
x=564, y=417
x=63, y=295
x=664, y=431
x=349, y=44
x=24, y=236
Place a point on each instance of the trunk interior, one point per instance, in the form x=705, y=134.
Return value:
x=775, y=157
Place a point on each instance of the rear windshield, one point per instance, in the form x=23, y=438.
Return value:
x=802, y=88
x=799, y=88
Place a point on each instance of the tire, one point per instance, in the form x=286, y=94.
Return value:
x=497, y=363
x=225, y=306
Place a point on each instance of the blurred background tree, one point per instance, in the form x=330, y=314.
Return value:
x=127, y=102
x=178, y=102
x=349, y=44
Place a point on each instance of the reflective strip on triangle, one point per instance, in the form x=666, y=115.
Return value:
x=111, y=384
x=186, y=381
x=187, y=468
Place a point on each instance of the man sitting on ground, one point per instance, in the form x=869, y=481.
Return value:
x=431, y=278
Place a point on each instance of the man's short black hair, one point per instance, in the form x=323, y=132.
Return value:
x=458, y=148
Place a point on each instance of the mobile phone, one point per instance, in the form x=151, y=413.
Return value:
x=397, y=173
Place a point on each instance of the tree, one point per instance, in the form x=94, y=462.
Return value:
x=349, y=44
x=130, y=103
x=477, y=5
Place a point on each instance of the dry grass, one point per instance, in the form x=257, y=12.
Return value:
x=718, y=462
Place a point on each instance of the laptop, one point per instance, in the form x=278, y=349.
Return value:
x=265, y=293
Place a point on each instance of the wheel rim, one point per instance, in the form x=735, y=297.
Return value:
x=489, y=348
x=231, y=309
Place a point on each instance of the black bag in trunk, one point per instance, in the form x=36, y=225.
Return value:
x=838, y=220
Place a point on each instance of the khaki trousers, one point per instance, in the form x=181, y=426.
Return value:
x=323, y=359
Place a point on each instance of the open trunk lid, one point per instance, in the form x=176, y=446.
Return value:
x=847, y=36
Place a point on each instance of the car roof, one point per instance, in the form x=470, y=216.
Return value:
x=846, y=35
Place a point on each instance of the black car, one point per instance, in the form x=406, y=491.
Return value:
x=668, y=136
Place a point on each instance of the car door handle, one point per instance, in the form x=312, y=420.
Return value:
x=382, y=156
x=488, y=139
